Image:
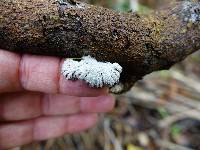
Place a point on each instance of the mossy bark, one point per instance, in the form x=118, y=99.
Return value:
x=139, y=43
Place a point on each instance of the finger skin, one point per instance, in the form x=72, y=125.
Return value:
x=20, y=133
x=62, y=104
x=18, y=106
x=39, y=73
x=23, y=106
x=43, y=116
x=9, y=72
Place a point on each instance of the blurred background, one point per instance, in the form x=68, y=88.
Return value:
x=161, y=112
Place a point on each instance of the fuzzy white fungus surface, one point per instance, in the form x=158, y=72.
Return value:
x=96, y=74
x=69, y=5
x=191, y=11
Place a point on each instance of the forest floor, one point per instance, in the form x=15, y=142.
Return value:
x=161, y=112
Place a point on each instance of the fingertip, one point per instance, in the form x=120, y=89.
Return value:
x=110, y=102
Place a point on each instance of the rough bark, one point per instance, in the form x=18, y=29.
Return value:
x=141, y=44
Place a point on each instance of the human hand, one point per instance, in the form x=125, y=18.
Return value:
x=37, y=103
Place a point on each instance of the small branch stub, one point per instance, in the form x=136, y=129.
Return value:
x=96, y=74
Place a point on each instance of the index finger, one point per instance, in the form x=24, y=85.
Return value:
x=39, y=73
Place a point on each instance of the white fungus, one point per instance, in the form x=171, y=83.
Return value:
x=191, y=12
x=69, y=5
x=96, y=74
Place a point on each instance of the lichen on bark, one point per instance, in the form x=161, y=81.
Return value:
x=139, y=43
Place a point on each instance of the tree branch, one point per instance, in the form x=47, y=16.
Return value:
x=139, y=43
